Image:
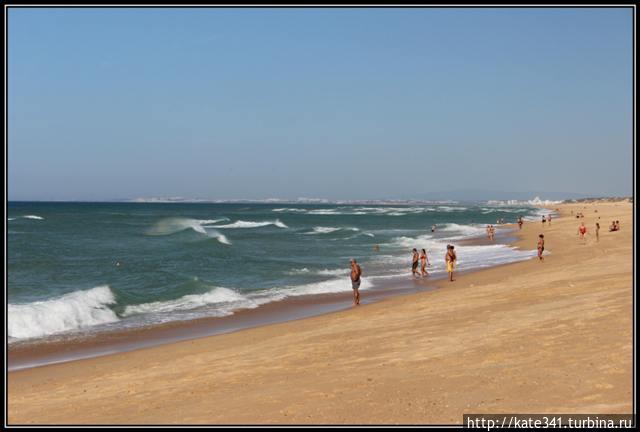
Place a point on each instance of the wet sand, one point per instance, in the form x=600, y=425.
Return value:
x=551, y=337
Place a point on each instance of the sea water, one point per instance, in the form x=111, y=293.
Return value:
x=82, y=268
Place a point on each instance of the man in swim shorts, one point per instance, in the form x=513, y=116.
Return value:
x=450, y=259
x=540, y=246
x=414, y=263
x=356, y=272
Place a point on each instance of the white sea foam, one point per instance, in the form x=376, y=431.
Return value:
x=290, y=210
x=469, y=257
x=422, y=241
x=328, y=230
x=33, y=217
x=227, y=300
x=72, y=311
x=464, y=230
x=251, y=224
x=173, y=225
x=537, y=201
x=323, y=230
x=324, y=212
x=218, y=236
x=210, y=221
x=323, y=272
x=334, y=272
x=224, y=301
x=299, y=271
x=170, y=226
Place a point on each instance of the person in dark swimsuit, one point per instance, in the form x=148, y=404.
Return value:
x=356, y=272
x=540, y=246
x=414, y=263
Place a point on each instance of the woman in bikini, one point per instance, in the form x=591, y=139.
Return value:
x=424, y=260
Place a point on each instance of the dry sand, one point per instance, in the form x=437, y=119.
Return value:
x=531, y=337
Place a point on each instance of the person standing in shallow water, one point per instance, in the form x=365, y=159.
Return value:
x=356, y=272
x=414, y=262
x=424, y=260
x=450, y=258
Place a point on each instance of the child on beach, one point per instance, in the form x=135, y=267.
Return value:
x=540, y=246
x=450, y=259
x=424, y=260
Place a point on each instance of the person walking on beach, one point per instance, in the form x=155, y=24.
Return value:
x=520, y=222
x=414, y=262
x=582, y=230
x=356, y=272
x=549, y=219
x=597, y=231
x=540, y=246
x=450, y=259
x=424, y=260
x=544, y=219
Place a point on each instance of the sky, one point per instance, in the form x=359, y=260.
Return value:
x=213, y=103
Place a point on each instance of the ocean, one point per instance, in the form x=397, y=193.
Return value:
x=78, y=269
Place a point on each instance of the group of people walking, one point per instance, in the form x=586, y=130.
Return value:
x=422, y=260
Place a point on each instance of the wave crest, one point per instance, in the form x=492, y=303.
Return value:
x=72, y=311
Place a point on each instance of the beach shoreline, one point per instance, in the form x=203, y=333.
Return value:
x=490, y=292
x=42, y=352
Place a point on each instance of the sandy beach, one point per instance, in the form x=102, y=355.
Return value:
x=529, y=337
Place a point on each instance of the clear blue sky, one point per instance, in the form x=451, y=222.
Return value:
x=333, y=103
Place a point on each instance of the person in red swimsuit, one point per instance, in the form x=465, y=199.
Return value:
x=582, y=231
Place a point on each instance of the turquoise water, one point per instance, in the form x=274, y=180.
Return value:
x=78, y=268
